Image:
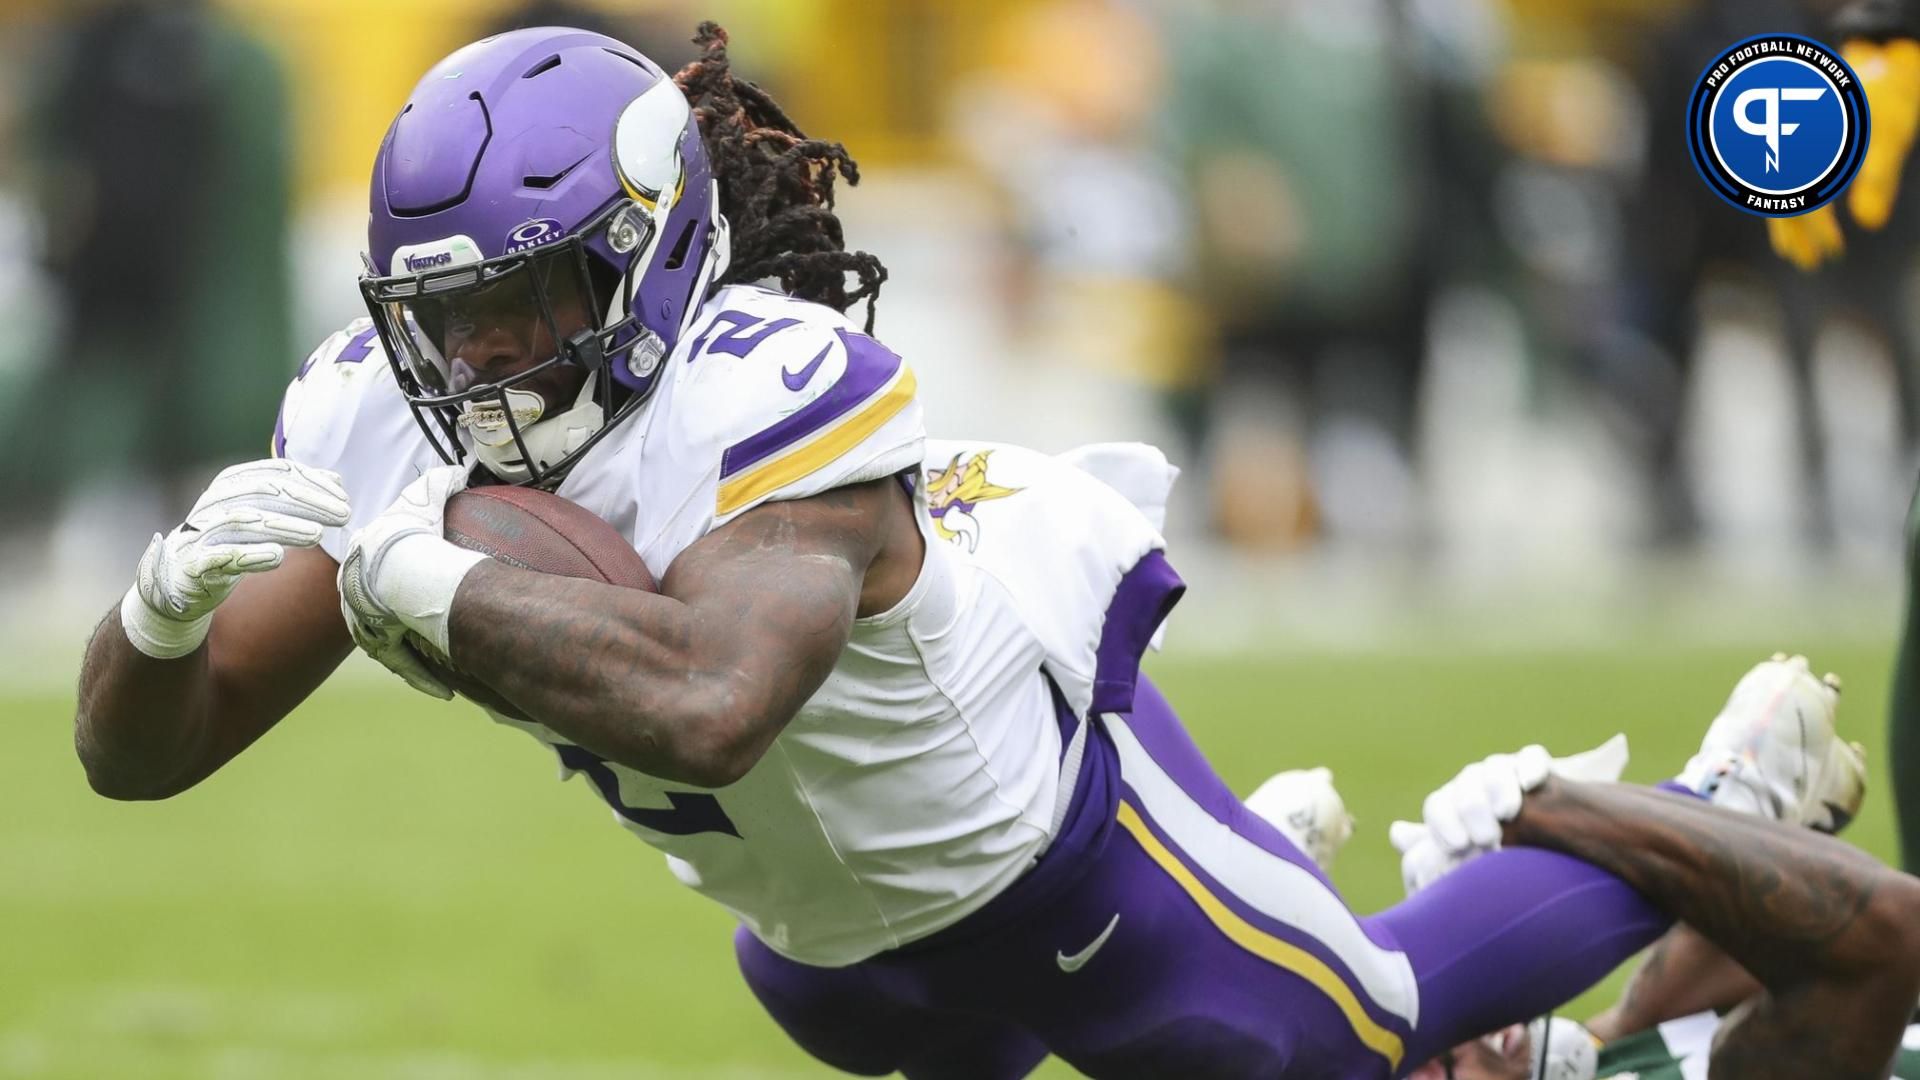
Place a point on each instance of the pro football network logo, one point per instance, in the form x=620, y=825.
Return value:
x=1777, y=125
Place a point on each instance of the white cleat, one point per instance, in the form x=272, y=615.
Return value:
x=1773, y=751
x=1304, y=805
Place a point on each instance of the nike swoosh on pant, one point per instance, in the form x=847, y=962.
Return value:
x=1071, y=964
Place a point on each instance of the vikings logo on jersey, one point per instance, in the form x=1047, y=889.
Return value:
x=952, y=494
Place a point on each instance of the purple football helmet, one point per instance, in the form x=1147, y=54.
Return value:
x=544, y=225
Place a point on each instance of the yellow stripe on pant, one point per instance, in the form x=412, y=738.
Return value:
x=1265, y=945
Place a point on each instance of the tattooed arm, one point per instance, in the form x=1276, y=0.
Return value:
x=1832, y=935
x=151, y=729
x=694, y=683
x=1683, y=974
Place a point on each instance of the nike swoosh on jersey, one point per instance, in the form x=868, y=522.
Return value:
x=797, y=380
x=1071, y=964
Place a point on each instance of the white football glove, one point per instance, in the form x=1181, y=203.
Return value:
x=242, y=524
x=1464, y=818
x=400, y=574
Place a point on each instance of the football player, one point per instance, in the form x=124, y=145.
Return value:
x=1790, y=991
x=958, y=829
x=1825, y=930
x=1664, y=1024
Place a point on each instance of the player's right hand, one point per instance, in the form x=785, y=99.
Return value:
x=399, y=575
x=242, y=524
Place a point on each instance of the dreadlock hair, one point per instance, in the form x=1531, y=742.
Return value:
x=776, y=186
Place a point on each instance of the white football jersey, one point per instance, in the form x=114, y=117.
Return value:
x=926, y=774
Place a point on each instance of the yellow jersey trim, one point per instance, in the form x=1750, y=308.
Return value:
x=776, y=473
x=1265, y=945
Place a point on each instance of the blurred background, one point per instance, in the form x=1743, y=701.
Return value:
x=1473, y=383
x=1424, y=297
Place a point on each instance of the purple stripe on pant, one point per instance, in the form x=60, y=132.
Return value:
x=1141, y=602
x=1166, y=992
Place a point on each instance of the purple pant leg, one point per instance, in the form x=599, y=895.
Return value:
x=1504, y=939
x=851, y=1020
x=834, y=1014
x=1164, y=736
x=1119, y=971
x=1510, y=936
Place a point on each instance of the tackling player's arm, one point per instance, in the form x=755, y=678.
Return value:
x=694, y=683
x=232, y=621
x=1830, y=932
x=1683, y=974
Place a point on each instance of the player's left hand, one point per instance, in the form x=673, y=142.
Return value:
x=400, y=574
x=1466, y=816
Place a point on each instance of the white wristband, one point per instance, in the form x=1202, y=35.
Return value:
x=157, y=635
x=419, y=575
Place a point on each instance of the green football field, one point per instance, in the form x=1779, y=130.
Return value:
x=387, y=887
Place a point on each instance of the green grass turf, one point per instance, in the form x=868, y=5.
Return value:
x=384, y=889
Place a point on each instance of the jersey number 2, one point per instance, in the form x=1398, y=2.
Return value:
x=741, y=336
x=357, y=348
x=692, y=812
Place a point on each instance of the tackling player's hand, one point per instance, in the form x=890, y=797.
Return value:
x=1889, y=72
x=242, y=524
x=1466, y=816
x=400, y=574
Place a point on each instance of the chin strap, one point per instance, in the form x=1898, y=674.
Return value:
x=719, y=259
x=1546, y=1044
x=1563, y=1050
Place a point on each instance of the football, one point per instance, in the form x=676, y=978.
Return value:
x=534, y=530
